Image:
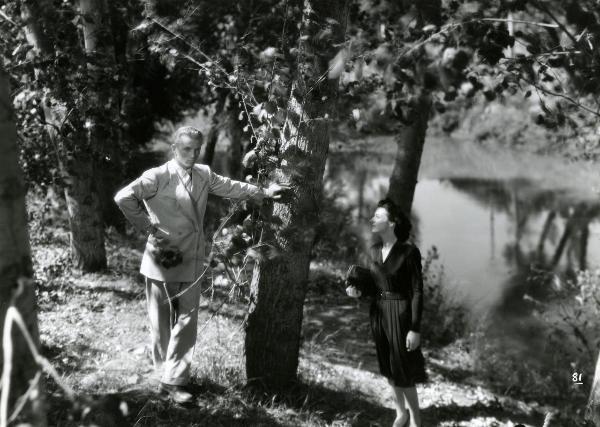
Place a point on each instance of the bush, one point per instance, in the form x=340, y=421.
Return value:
x=444, y=315
x=561, y=339
x=336, y=239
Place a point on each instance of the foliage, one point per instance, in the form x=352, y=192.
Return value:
x=444, y=315
x=181, y=56
x=568, y=342
x=579, y=307
x=69, y=92
x=468, y=54
x=336, y=238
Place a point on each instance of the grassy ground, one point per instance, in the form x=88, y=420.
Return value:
x=94, y=331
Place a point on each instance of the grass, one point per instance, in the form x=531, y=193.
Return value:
x=94, y=331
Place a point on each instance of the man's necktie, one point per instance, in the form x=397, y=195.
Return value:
x=186, y=178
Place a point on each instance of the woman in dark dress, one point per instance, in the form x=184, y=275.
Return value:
x=396, y=284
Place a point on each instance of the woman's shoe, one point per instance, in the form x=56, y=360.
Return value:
x=402, y=421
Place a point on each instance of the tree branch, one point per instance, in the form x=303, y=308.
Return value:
x=544, y=9
x=520, y=21
x=560, y=95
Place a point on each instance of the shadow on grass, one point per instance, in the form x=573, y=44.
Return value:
x=122, y=293
x=454, y=374
x=322, y=405
x=214, y=406
x=218, y=406
x=339, y=329
x=456, y=413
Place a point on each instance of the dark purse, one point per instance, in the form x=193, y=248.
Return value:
x=361, y=278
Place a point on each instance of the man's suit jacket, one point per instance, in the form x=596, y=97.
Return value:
x=177, y=214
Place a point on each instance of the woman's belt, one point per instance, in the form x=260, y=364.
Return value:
x=391, y=295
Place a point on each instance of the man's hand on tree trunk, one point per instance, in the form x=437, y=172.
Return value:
x=276, y=191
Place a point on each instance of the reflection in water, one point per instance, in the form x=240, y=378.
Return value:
x=546, y=232
x=501, y=242
x=492, y=234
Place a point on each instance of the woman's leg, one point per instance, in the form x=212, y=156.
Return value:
x=401, y=413
x=412, y=402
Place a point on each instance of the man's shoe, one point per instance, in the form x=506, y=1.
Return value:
x=176, y=393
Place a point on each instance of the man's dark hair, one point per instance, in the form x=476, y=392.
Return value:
x=402, y=223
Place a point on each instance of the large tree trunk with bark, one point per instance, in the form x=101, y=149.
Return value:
x=408, y=155
x=85, y=215
x=16, y=273
x=278, y=289
x=88, y=183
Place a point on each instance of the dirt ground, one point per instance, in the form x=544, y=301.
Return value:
x=94, y=331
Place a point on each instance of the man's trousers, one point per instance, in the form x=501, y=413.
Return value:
x=173, y=313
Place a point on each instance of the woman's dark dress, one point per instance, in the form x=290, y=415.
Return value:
x=397, y=309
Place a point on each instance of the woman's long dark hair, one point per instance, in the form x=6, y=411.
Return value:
x=402, y=223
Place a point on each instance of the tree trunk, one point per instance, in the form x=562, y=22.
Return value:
x=31, y=10
x=213, y=133
x=278, y=287
x=408, y=155
x=86, y=183
x=362, y=181
x=562, y=243
x=544, y=235
x=81, y=192
x=592, y=412
x=15, y=266
x=85, y=220
x=584, y=237
x=235, y=134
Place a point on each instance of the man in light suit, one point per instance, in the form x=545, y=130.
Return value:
x=174, y=195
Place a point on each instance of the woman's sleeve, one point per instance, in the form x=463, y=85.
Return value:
x=369, y=289
x=416, y=282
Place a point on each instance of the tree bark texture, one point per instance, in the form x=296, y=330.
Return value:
x=213, y=134
x=78, y=153
x=278, y=288
x=408, y=155
x=31, y=10
x=235, y=135
x=85, y=220
x=99, y=43
x=15, y=265
x=593, y=407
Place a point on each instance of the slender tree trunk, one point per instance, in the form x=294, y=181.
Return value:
x=213, y=133
x=592, y=412
x=31, y=10
x=408, y=156
x=362, y=181
x=81, y=186
x=86, y=184
x=235, y=133
x=564, y=239
x=584, y=237
x=278, y=288
x=545, y=232
x=15, y=266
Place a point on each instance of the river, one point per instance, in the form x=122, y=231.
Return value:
x=511, y=230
